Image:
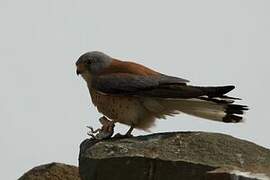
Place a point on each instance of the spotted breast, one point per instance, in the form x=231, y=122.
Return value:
x=126, y=110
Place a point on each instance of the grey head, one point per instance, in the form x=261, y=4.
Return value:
x=93, y=62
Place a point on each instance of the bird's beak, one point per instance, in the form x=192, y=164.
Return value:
x=80, y=69
x=78, y=72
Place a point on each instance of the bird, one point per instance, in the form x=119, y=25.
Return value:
x=132, y=94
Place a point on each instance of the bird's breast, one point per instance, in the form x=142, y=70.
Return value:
x=123, y=109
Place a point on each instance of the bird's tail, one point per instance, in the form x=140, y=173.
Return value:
x=205, y=102
x=217, y=109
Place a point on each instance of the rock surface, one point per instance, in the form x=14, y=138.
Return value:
x=53, y=171
x=179, y=155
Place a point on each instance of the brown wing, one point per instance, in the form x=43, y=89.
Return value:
x=126, y=67
x=118, y=66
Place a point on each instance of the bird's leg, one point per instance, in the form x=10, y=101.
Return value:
x=127, y=135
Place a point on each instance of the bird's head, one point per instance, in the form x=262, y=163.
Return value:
x=92, y=63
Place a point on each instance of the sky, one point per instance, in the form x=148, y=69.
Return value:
x=45, y=107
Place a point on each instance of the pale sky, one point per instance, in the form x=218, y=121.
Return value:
x=45, y=107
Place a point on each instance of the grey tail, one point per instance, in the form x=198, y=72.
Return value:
x=217, y=95
x=233, y=112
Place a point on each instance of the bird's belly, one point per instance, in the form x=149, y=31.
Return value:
x=123, y=109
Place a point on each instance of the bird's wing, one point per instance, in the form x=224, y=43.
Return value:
x=147, y=86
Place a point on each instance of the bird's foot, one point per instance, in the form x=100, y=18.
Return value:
x=105, y=132
x=93, y=133
x=118, y=135
x=127, y=135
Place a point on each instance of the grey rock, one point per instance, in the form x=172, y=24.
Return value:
x=52, y=171
x=171, y=156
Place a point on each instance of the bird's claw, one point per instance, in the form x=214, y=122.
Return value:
x=92, y=132
x=105, y=132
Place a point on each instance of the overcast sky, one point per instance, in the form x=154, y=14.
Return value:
x=45, y=107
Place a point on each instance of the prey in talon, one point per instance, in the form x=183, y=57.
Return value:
x=105, y=132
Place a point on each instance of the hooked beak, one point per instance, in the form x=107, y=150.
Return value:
x=80, y=69
x=78, y=72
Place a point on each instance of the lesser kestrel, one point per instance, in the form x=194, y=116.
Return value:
x=132, y=94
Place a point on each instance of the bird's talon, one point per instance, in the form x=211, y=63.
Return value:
x=118, y=135
x=92, y=136
x=105, y=132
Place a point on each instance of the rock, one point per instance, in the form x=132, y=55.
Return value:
x=173, y=156
x=53, y=171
